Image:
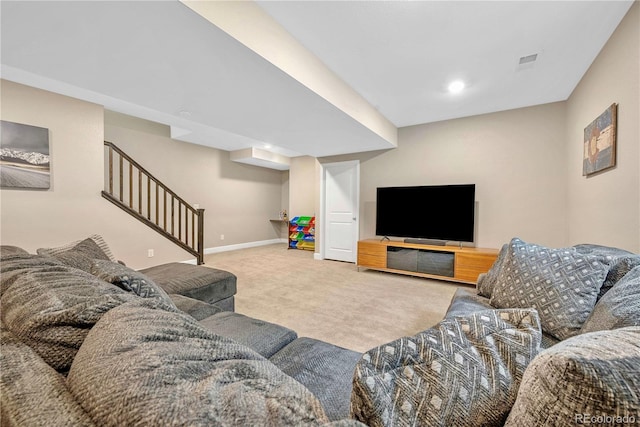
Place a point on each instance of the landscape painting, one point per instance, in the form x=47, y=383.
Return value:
x=24, y=156
x=600, y=142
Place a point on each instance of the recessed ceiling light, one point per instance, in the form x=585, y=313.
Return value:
x=185, y=113
x=267, y=145
x=456, y=86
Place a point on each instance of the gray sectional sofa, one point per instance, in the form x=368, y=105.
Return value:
x=88, y=341
x=548, y=337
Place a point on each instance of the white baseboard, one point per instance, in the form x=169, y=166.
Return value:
x=247, y=245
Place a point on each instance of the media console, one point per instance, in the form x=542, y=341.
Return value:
x=453, y=263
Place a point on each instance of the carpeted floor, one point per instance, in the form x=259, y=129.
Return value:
x=331, y=300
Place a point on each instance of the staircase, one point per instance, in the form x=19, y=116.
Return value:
x=134, y=190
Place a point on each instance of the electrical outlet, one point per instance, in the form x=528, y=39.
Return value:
x=150, y=253
x=222, y=237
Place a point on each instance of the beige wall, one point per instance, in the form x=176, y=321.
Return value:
x=605, y=208
x=527, y=163
x=73, y=208
x=239, y=199
x=516, y=159
x=33, y=219
x=302, y=186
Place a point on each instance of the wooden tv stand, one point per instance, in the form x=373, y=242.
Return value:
x=468, y=262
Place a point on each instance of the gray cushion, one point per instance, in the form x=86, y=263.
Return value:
x=32, y=393
x=593, y=374
x=15, y=266
x=619, y=307
x=620, y=262
x=105, y=252
x=561, y=284
x=548, y=341
x=52, y=307
x=130, y=280
x=172, y=371
x=226, y=304
x=194, y=281
x=465, y=371
x=486, y=281
x=195, y=308
x=325, y=369
x=75, y=259
x=263, y=337
x=79, y=256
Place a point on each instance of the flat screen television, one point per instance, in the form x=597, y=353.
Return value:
x=438, y=212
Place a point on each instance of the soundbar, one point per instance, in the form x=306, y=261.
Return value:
x=431, y=242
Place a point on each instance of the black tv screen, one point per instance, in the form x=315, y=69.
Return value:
x=439, y=212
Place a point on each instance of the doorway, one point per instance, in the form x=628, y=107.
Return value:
x=340, y=222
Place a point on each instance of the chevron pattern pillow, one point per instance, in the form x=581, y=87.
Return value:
x=561, y=284
x=464, y=371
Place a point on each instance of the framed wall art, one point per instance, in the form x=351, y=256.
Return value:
x=600, y=142
x=24, y=156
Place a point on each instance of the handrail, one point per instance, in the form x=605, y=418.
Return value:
x=124, y=198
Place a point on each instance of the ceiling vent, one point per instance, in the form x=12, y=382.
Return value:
x=528, y=59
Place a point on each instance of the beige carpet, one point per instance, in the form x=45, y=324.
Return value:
x=331, y=300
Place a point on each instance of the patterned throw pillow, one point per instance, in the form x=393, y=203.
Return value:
x=464, y=371
x=619, y=307
x=486, y=281
x=588, y=379
x=130, y=280
x=620, y=262
x=560, y=283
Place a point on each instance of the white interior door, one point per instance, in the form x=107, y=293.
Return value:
x=341, y=191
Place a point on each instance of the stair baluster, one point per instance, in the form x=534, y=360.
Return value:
x=177, y=233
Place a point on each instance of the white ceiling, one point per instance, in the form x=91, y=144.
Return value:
x=401, y=55
x=161, y=61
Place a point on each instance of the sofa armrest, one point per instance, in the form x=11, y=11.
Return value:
x=203, y=283
x=465, y=302
x=195, y=308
